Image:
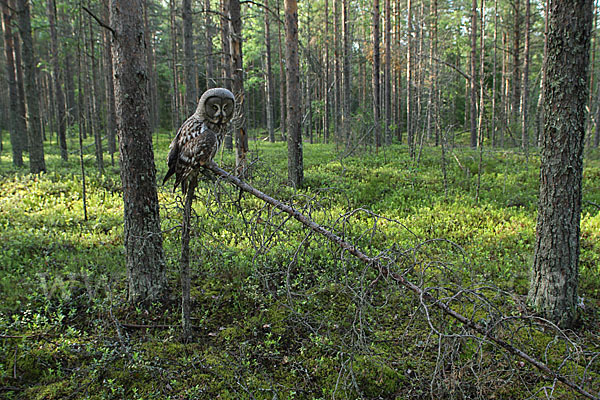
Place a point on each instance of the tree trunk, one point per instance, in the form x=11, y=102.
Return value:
x=37, y=163
x=17, y=150
x=226, y=61
x=410, y=134
x=282, y=103
x=152, y=84
x=494, y=68
x=95, y=109
x=326, y=97
x=143, y=238
x=540, y=104
x=59, y=96
x=191, y=94
x=554, y=279
x=346, y=101
x=237, y=66
x=294, y=144
x=269, y=77
x=387, y=76
x=67, y=34
x=337, y=102
x=473, y=73
x=175, y=109
x=376, y=69
x=22, y=111
x=210, y=68
x=111, y=117
x=525, y=84
x=516, y=67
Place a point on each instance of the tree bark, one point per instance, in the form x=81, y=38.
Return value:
x=554, y=278
x=282, y=78
x=473, y=73
x=337, y=94
x=22, y=112
x=67, y=33
x=294, y=144
x=59, y=96
x=208, y=28
x=516, y=67
x=375, y=73
x=326, y=83
x=175, y=109
x=191, y=94
x=525, y=84
x=143, y=238
x=95, y=108
x=17, y=150
x=387, y=76
x=269, y=77
x=410, y=134
x=37, y=162
x=237, y=66
x=346, y=101
x=111, y=117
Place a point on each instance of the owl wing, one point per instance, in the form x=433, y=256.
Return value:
x=190, y=129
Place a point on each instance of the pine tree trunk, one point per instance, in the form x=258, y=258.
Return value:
x=226, y=61
x=59, y=96
x=17, y=150
x=473, y=73
x=191, y=94
x=143, y=238
x=111, y=117
x=94, y=108
x=269, y=77
x=326, y=84
x=210, y=68
x=387, y=76
x=525, y=84
x=337, y=103
x=175, y=109
x=237, y=66
x=67, y=34
x=540, y=104
x=516, y=66
x=282, y=77
x=494, y=68
x=346, y=101
x=294, y=144
x=37, y=162
x=22, y=114
x=376, y=69
x=410, y=134
x=554, y=278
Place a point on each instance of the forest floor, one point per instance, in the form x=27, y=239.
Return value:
x=278, y=311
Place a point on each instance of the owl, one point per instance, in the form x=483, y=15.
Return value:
x=200, y=136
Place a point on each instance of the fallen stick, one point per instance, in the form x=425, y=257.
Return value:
x=374, y=263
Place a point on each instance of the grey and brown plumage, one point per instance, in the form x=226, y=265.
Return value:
x=200, y=136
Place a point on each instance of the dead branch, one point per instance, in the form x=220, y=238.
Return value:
x=99, y=21
x=424, y=295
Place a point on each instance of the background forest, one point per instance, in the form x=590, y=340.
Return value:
x=421, y=124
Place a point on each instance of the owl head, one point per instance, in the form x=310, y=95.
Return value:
x=216, y=106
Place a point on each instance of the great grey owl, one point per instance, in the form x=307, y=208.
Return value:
x=200, y=136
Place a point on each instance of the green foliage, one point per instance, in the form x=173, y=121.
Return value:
x=279, y=312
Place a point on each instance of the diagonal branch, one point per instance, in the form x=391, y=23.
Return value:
x=99, y=21
x=374, y=263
